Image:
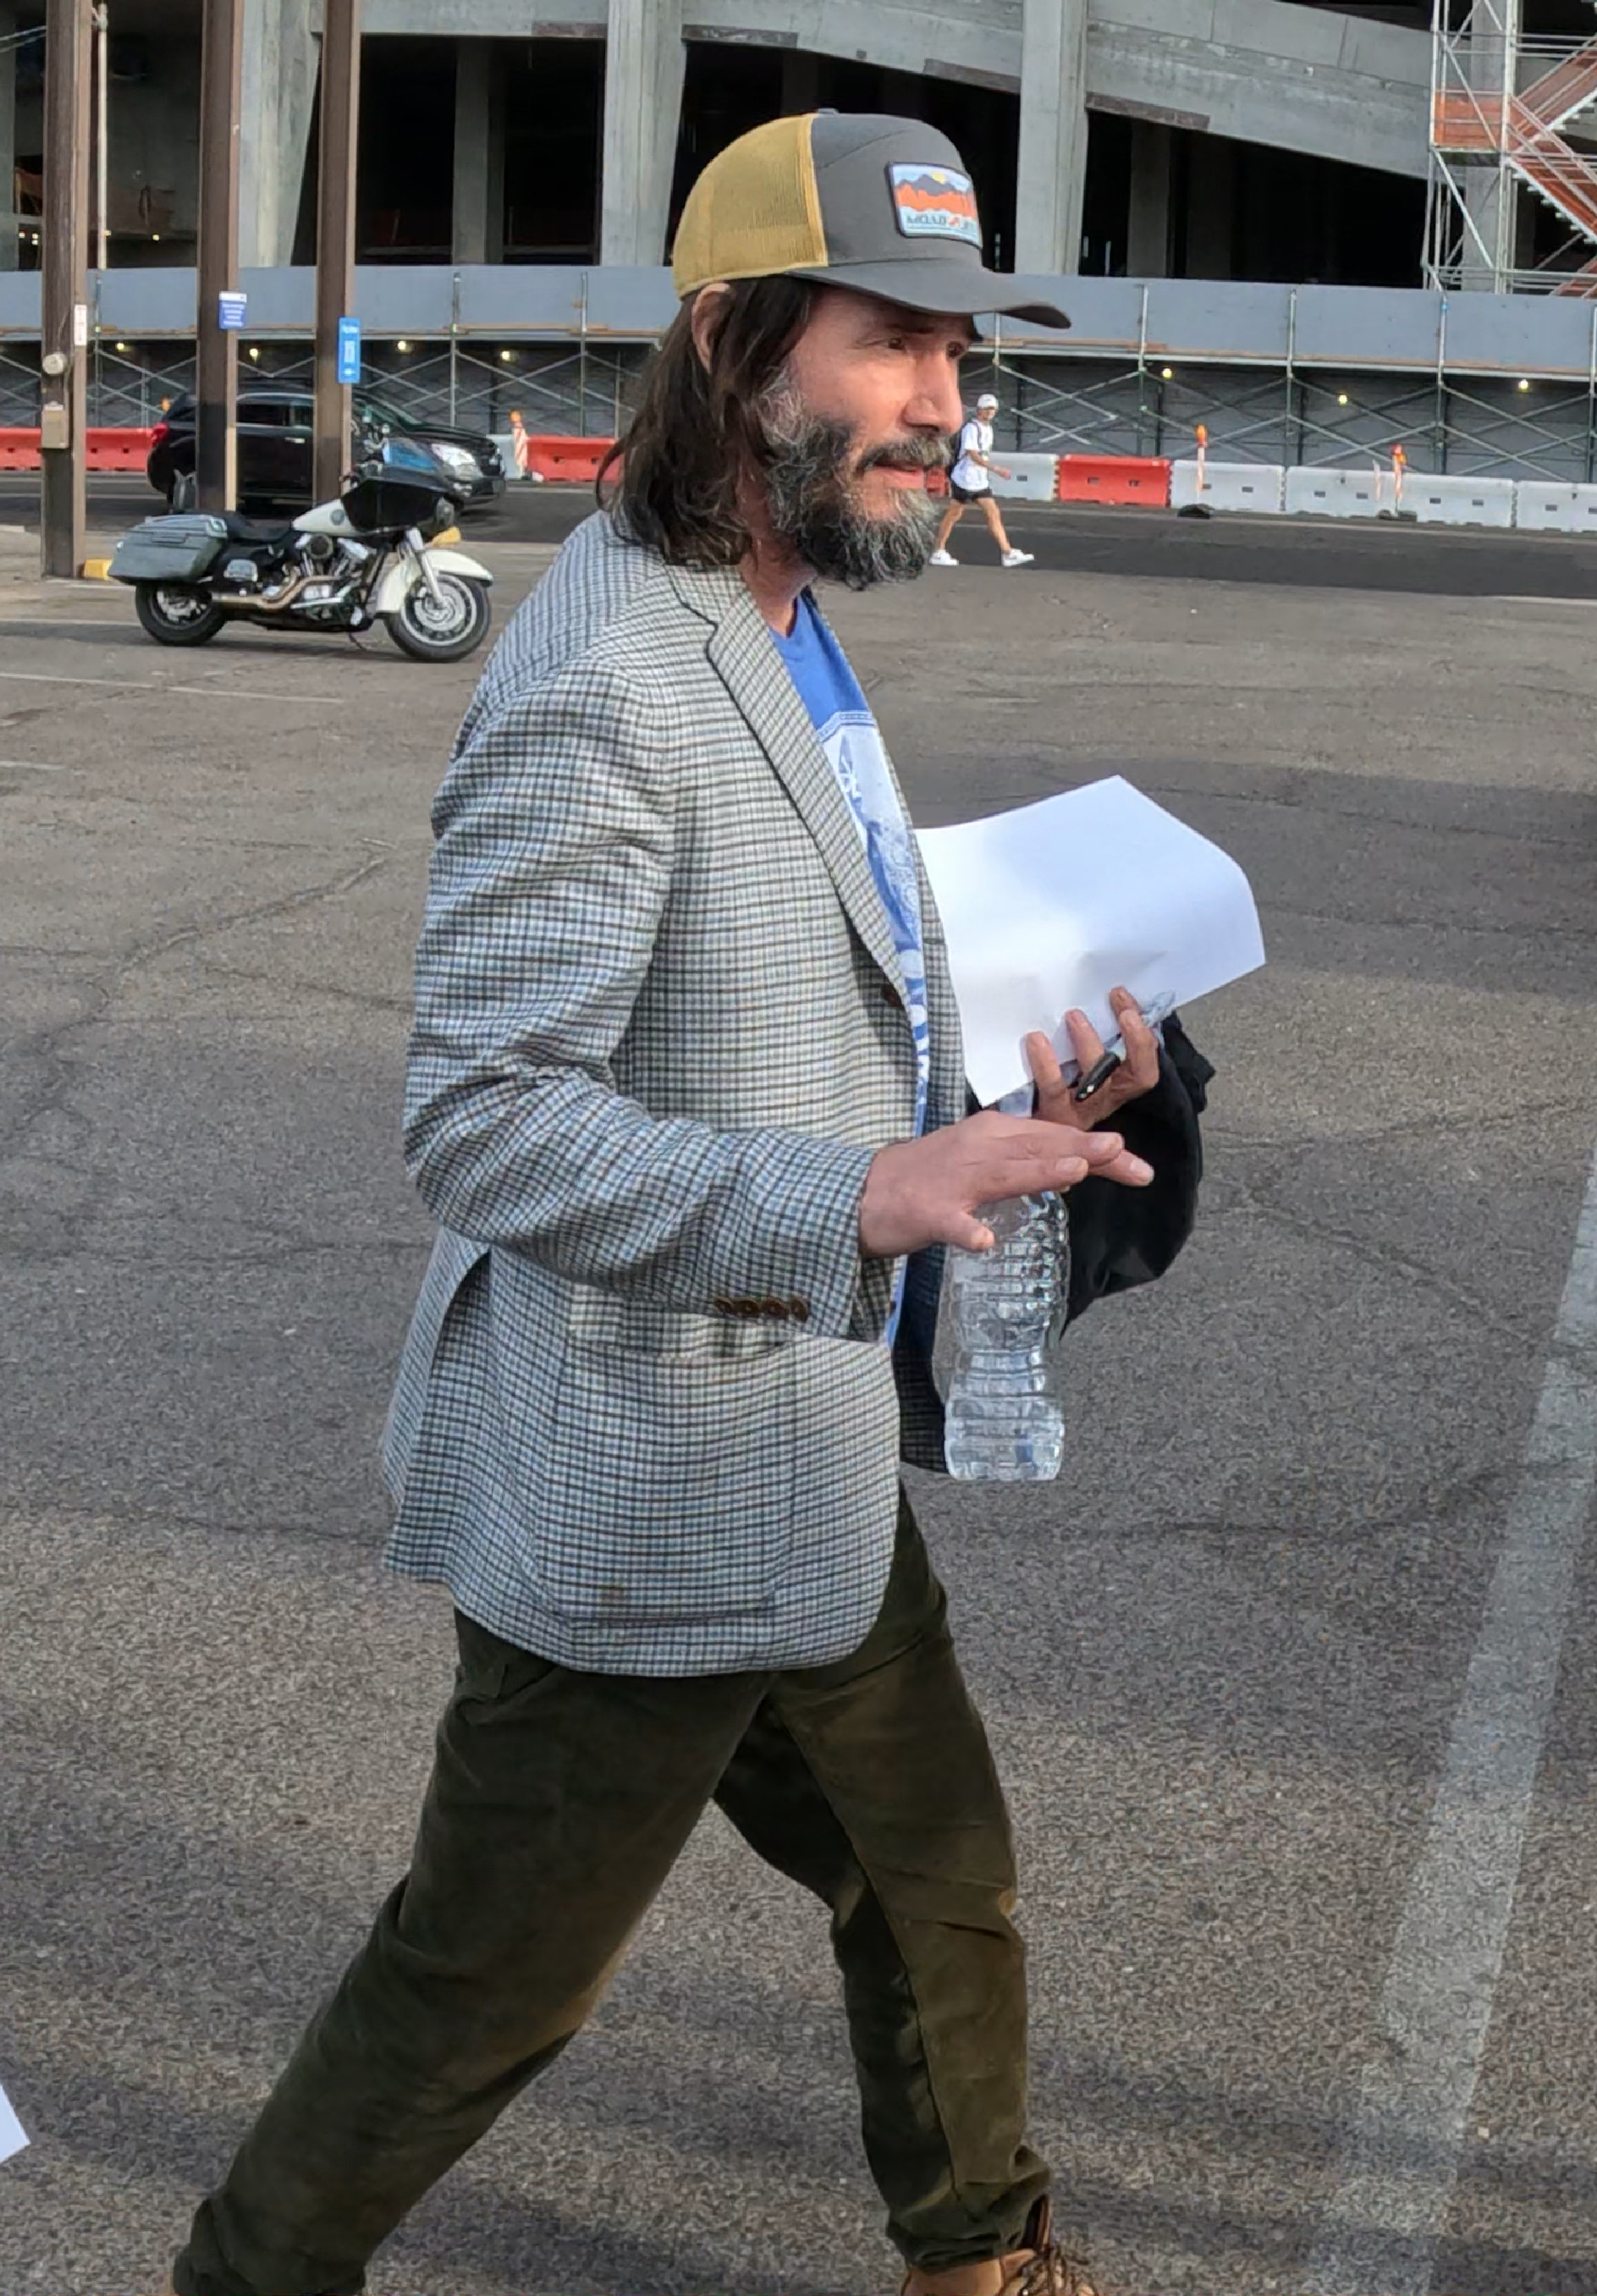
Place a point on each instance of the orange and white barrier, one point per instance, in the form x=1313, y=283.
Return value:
x=1123, y=479
x=1032, y=477
x=103, y=449
x=1227, y=486
x=562, y=458
x=1545, y=507
x=1333, y=494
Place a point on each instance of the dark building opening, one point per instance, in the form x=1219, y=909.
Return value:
x=553, y=98
x=541, y=130
x=405, y=177
x=1248, y=212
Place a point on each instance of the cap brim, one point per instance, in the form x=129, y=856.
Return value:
x=960, y=290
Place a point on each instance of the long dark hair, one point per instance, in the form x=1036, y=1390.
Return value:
x=694, y=435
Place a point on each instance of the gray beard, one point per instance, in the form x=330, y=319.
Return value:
x=813, y=505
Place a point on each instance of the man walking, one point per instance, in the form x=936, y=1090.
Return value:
x=970, y=480
x=685, y=1095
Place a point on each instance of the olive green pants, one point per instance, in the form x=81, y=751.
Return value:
x=558, y=1804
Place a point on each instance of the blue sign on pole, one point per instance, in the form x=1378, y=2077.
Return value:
x=231, y=308
x=349, y=350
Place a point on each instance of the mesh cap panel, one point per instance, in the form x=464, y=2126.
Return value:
x=754, y=211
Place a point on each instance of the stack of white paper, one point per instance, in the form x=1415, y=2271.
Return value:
x=11, y=2139
x=1050, y=906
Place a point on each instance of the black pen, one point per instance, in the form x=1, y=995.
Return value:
x=1157, y=1009
x=1098, y=1075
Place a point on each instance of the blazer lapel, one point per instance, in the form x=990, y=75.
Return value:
x=744, y=656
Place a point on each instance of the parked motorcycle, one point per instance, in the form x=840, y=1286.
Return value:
x=380, y=553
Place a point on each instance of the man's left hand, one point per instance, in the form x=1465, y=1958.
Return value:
x=1137, y=1073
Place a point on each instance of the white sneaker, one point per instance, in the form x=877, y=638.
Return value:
x=942, y=558
x=1015, y=558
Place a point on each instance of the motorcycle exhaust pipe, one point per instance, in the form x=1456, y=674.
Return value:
x=254, y=602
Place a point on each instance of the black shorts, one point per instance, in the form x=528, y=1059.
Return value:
x=968, y=494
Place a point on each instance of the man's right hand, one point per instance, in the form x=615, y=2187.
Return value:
x=921, y=1191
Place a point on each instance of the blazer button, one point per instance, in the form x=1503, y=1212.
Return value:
x=777, y=1310
x=798, y=1309
x=890, y=995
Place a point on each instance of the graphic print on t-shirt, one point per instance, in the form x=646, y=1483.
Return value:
x=848, y=733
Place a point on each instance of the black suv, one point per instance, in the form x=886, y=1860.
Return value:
x=275, y=432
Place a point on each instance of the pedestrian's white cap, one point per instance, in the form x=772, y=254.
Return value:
x=988, y=399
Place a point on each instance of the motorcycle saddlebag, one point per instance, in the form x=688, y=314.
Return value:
x=169, y=549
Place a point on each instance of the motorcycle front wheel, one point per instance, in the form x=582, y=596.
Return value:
x=448, y=630
x=173, y=613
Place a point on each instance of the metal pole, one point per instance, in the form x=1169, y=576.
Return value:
x=102, y=133
x=1591, y=399
x=64, y=331
x=335, y=235
x=455, y=350
x=1158, y=410
x=1441, y=425
x=582, y=362
x=216, y=348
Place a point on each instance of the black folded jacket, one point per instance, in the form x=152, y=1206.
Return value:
x=1120, y=1237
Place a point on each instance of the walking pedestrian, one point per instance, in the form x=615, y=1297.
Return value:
x=687, y=1097
x=970, y=480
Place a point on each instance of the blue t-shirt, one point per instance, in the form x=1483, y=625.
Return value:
x=848, y=732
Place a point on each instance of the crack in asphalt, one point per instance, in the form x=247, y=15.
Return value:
x=99, y=992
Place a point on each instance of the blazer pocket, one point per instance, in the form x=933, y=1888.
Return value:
x=664, y=1488
x=610, y=1320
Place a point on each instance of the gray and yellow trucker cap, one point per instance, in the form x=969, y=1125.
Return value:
x=849, y=198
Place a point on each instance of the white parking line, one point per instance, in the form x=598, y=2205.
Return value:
x=26, y=766
x=49, y=678
x=1400, y=2159
x=159, y=685
x=254, y=694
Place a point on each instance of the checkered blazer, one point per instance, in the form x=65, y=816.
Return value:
x=644, y=1421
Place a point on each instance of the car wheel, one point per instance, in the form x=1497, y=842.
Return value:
x=185, y=491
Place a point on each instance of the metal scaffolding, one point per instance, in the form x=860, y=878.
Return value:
x=1511, y=124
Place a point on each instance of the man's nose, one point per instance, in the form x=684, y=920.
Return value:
x=936, y=404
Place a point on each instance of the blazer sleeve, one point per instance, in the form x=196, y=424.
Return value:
x=555, y=837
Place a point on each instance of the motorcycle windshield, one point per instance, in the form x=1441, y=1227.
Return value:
x=409, y=454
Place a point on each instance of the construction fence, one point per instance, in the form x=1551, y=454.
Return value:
x=1475, y=385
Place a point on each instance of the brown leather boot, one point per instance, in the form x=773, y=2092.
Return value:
x=1040, y=2268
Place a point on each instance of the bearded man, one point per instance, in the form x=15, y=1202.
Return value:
x=687, y=1099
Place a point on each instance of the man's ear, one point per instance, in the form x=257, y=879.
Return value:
x=709, y=308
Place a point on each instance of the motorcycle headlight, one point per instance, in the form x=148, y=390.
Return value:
x=459, y=459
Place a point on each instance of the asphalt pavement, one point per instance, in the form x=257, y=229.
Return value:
x=1286, y=1592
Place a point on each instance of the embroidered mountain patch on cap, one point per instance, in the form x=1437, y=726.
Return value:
x=935, y=203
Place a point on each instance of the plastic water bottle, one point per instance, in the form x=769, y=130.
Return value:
x=1005, y=1311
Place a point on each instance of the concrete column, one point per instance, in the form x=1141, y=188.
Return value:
x=1211, y=209
x=281, y=61
x=478, y=227
x=1148, y=236
x=1053, y=168
x=800, y=82
x=8, y=140
x=643, y=64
